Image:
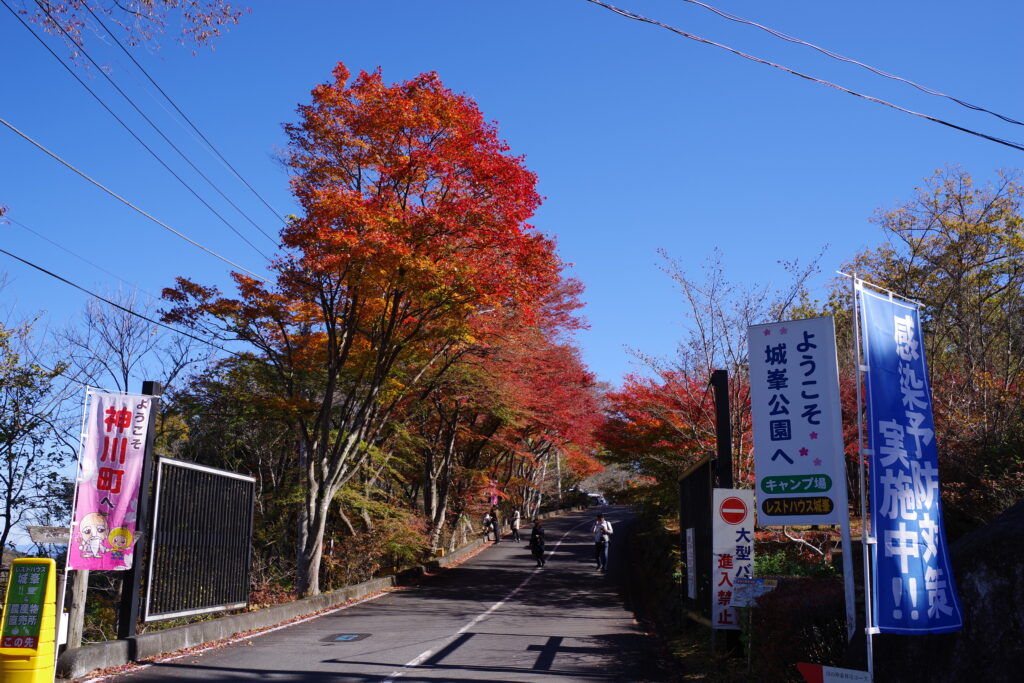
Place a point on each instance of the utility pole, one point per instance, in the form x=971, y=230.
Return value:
x=723, y=465
x=129, y=616
x=723, y=429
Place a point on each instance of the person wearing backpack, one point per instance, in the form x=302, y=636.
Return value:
x=496, y=523
x=602, y=536
x=537, y=543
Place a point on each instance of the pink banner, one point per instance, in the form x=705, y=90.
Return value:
x=103, y=533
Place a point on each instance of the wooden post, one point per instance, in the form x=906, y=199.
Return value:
x=76, y=616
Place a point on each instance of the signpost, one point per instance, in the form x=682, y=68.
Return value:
x=799, y=456
x=798, y=431
x=28, y=640
x=732, y=551
x=57, y=535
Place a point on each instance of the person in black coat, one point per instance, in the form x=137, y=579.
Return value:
x=497, y=524
x=537, y=543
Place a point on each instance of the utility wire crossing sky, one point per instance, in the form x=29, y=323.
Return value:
x=719, y=155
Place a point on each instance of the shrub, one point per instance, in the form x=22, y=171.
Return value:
x=394, y=543
x=802, y=620
x=792, y=561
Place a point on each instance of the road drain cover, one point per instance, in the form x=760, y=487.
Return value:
x=345, y=637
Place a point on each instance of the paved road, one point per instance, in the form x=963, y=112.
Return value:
x=494, y=618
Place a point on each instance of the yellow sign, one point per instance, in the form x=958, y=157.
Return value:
x=29, y=623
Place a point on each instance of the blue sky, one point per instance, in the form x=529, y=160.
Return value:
x=641, y=139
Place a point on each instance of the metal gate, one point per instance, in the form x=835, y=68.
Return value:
x=695, y=514
x=201, y=550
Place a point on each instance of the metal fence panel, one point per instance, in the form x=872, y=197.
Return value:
x=200, y=554
x=695, y=513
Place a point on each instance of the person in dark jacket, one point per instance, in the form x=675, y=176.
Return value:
x=497, y=524
x=537, y=543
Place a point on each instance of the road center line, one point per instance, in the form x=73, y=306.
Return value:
x=423, y=656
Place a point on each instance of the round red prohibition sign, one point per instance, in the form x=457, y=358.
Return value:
x=733, y=510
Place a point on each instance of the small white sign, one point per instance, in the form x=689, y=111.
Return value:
x=816, y=673
x=745, y=592
x=732, y=551
x=835, y=675
x=691, y=565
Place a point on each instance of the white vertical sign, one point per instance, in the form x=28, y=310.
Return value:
x=732, y=550
x=691, y=564
x=798, y=431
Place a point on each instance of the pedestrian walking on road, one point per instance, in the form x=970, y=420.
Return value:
x=514, y=525
x=496, y=521
x=537, y=543
x=602, y=536
x=488, y=525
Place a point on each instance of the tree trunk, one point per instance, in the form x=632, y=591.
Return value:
x=311, y=544
x=558, y=477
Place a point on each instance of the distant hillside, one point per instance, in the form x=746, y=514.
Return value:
x=11, y=555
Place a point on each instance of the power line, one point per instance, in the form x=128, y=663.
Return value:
x=276, y=213
x=132, y=132
x=81, y=258
x=119, y=306
x=699, y=39
x=848, y=60
x=145, y=117
x=129, y=204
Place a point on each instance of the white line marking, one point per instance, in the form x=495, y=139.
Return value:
x=419, y=659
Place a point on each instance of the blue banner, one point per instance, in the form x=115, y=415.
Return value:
x=913, y=590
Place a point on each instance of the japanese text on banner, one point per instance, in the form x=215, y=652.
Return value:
x=914, y=590
x=103, y=532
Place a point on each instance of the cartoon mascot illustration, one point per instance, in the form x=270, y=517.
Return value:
x=119, y=539
x=92, y=530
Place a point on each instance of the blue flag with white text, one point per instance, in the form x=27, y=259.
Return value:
x=914, y=591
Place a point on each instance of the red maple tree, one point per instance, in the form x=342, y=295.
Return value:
x=413, y=228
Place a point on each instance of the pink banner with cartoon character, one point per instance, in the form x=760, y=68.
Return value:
x=103, y=532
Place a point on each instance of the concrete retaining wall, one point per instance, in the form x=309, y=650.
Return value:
x=81, y=661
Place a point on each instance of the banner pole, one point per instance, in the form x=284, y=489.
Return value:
x=861, y=455
x=76, y=613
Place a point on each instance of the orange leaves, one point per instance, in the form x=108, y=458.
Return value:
x=583, y=465
x=413, y=238
x=660, y=421
x=408, y=193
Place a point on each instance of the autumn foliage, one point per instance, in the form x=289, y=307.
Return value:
x=411, y=337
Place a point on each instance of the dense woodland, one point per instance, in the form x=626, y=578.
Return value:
x=414, y=355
